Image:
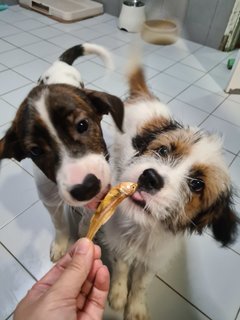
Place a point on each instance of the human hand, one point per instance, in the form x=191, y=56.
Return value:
x=76, y=288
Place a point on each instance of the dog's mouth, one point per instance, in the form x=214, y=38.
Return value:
x=138, y=199
x=93, y=204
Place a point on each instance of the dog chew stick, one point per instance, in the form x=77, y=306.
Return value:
x=108, y=206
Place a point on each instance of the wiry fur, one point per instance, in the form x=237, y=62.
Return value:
x=184, y=186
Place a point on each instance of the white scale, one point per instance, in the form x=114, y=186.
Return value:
x=65, y=10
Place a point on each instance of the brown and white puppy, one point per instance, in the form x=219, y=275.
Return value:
x=184, y=186
x=58, y=127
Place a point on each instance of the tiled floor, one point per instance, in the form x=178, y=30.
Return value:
x=204, y=280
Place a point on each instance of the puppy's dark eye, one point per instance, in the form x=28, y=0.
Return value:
x=196, y=185
x=163, y=151
x=35, y=152
x=82, y=126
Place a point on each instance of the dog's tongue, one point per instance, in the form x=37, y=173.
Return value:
x=95, y=201
x=137, y=196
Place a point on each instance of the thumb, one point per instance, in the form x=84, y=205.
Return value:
x=73, y=277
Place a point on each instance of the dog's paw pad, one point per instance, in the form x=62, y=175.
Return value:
x=58, y=250
x=118, y=296
x=138, y=311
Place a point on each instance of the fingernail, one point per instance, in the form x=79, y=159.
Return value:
x=83, y=246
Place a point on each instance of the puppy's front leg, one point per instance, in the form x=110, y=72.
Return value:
x=136, y=308
x=48, y=193
x=119, y=285
x=61, y=242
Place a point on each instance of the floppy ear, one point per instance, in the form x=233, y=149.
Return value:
x=225, y=225
x=220, y=218
x=105, y=103
x=10, y=146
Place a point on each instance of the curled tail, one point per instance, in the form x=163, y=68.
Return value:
x=70, y=55
x=135, y=74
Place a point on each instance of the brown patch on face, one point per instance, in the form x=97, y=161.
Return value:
x=152, y=130
x=162, y=132
x=216, y=184
x=69, y=108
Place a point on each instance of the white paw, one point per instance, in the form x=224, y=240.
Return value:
x=118, y=295
x=58, y=249
x=136, y=311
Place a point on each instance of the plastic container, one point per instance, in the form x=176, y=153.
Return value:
x=132, y=16
x=65, y=10
x=162, y=32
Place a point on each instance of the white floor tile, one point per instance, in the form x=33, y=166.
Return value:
x=212, y=53
x=65, y=41
x=162, y=96
x=32, y=247
x=2, y=67
x=16, y=97
x=201, y=63
x=187, y=45
x=46, y=32
x=42, y=49
x=33, y=70
x=173, y=52
x=108, y=132
x=11, y=17
x=229, y=111
x=184, y=72
x=168, y=84
x=157, y=62
x=27, y=165
x=120, y=34
x=28, y=24
x=212, y=84
x=228, y=157
x=7, y=29
x=186, y=114
x=3, y=130
x=227, y=130
x=22, y=39
x=15, y=282
x=15, y=184
x=208, y=276
x=86, y=34
x=5, y=46
x=91, y=71
x=10, y=80
x=163, y=303
x=102, y=28
x=7, y=112
x=15, y=58
x=113, y=84
x=201, y=98
x=68, y=27
x=109, y=43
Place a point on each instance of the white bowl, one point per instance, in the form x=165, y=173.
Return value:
x=161, y=32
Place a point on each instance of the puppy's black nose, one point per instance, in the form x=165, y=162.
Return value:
x=87, y=190
x=150, y=180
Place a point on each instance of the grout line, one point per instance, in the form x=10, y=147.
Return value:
x=15, y=217
x=212, y=21
x=15, y=258
x=193, y=305
x=238, y=313
x=10, y=316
